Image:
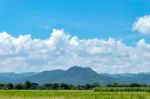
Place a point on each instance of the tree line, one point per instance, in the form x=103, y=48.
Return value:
x=27, y=85
x=127, y=85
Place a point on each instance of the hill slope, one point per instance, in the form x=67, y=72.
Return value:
x=75, y=75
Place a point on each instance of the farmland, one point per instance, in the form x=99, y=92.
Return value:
x=70, y=94
x=122, y=89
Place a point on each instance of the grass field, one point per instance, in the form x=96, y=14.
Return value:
x=61, y=94
x=122, y=89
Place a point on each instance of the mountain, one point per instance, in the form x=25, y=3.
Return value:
x=14, y=77
x=4, y=79
x=142, y=78
x=75, y=75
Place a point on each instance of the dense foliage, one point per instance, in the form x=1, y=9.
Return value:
x=128, y=85
x=47, y=86
x=62, y=86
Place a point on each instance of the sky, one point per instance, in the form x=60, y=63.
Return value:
x=110, y=36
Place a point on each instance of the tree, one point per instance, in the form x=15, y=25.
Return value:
x=34, y=86
x=47, y=86
x=19, y=86
x=87, y=86
x=134, y=85
x=55, y=86
x=27, y=85
x=1, y=86
x=72, y=87
x=64, y=86
x=9, y=86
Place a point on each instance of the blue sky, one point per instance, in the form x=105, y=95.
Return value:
x=83, y=18
x=109, y=36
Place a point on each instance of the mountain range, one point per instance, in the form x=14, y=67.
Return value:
x=75, y=75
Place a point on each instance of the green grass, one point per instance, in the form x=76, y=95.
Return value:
x=72, y=94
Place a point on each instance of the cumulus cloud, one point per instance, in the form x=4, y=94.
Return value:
x=142, y=25
x=61, y=51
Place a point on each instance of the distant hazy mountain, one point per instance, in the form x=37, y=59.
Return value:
x=143, y=78
x=16, y=75
x=75, y=75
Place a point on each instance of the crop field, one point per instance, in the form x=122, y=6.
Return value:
x=122, y=89
x=70, y=94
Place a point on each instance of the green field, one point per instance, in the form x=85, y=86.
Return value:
x=122, y=89
x=71, y=94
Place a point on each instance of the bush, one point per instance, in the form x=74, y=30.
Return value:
x=27, y=85
x=19, y=86
x=9, y=86
x=148, y=90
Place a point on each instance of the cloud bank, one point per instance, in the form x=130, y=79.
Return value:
x=61, y=51
x=142, y=25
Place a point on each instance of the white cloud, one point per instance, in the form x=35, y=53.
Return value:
x=61, y=51
x=142, y=25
